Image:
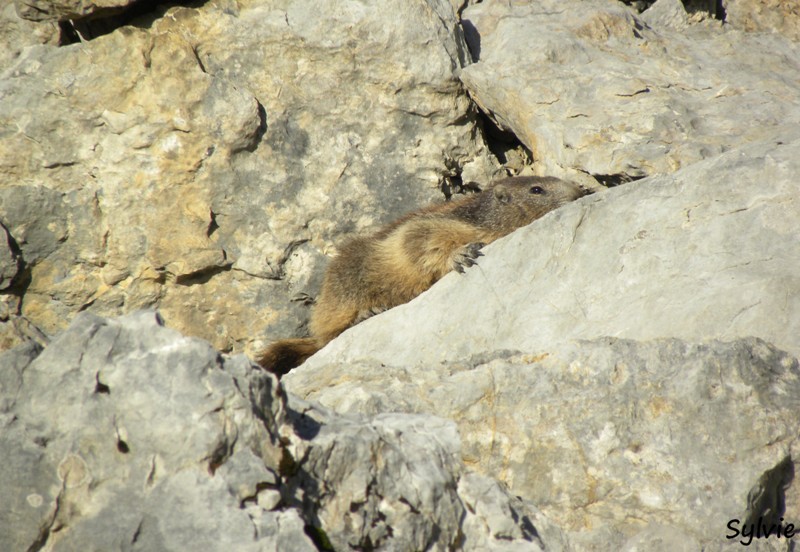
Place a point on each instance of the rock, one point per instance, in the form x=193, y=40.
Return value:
x=596, y=90
x=764, y=16
x=122, y=433
x=495, y=520
x=9, y=259
x=127, y=434
x=708, y=252
x=365, y=496
x=603, y=436
x=14, y=362
x=41, y=10
x=666, y=14
x=36, y=220
x=396, y=482
x=85, y=241
x=15, y=329
x=206, y=160
x=16, y=34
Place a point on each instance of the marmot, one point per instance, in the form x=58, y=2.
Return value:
x=403, y=259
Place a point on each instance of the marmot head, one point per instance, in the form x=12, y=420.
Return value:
x=518, y=201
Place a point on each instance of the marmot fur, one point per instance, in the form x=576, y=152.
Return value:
x=403, y=259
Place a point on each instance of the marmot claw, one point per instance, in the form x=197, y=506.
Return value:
x=465, y=258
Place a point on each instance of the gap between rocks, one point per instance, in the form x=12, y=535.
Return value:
x=104, y=21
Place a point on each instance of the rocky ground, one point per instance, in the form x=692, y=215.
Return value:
x=621, y=374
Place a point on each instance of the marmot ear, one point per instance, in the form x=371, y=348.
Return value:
x=501, y=194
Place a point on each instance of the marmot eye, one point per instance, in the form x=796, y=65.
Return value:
x=537, y=190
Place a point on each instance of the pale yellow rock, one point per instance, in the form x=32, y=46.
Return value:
x=229, y=137
x=770, y=16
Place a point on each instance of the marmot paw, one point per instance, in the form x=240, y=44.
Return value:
x=465, y=257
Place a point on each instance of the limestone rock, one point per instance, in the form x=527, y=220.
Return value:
x=16, y=329
x=771, y=16
x=123, y=434
x=636, y=444
x=596, y=90
x=710, y=251
x=607, y=437
x=16, y=34
x=498, y=521
x=666, y=14
x=206, y=160
x=396, y=482
x=40, y=10
x=96, y=234
x=9, y=259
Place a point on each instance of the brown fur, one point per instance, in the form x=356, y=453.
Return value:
x=406, y=257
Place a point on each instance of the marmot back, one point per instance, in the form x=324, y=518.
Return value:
x=403, y=259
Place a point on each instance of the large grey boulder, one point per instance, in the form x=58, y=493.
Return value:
x=397, y=482
x=622, y=443
x=125, y=435
x=589, y=87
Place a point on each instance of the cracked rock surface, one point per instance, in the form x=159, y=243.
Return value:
x=619, y=442
x=123, y=434
x=600, y=89
x=126, y=435
x=654, y=438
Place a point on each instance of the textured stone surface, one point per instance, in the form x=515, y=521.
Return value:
x=127, y=435
x=206, y=160
x=624, y=444
x=17, y=33
x=595, y=90
x=44, y=10
x=123, y=434
x=9, y=259
x=665, y=14
x=397, y=482
x=764, y=16
x=606, y=437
